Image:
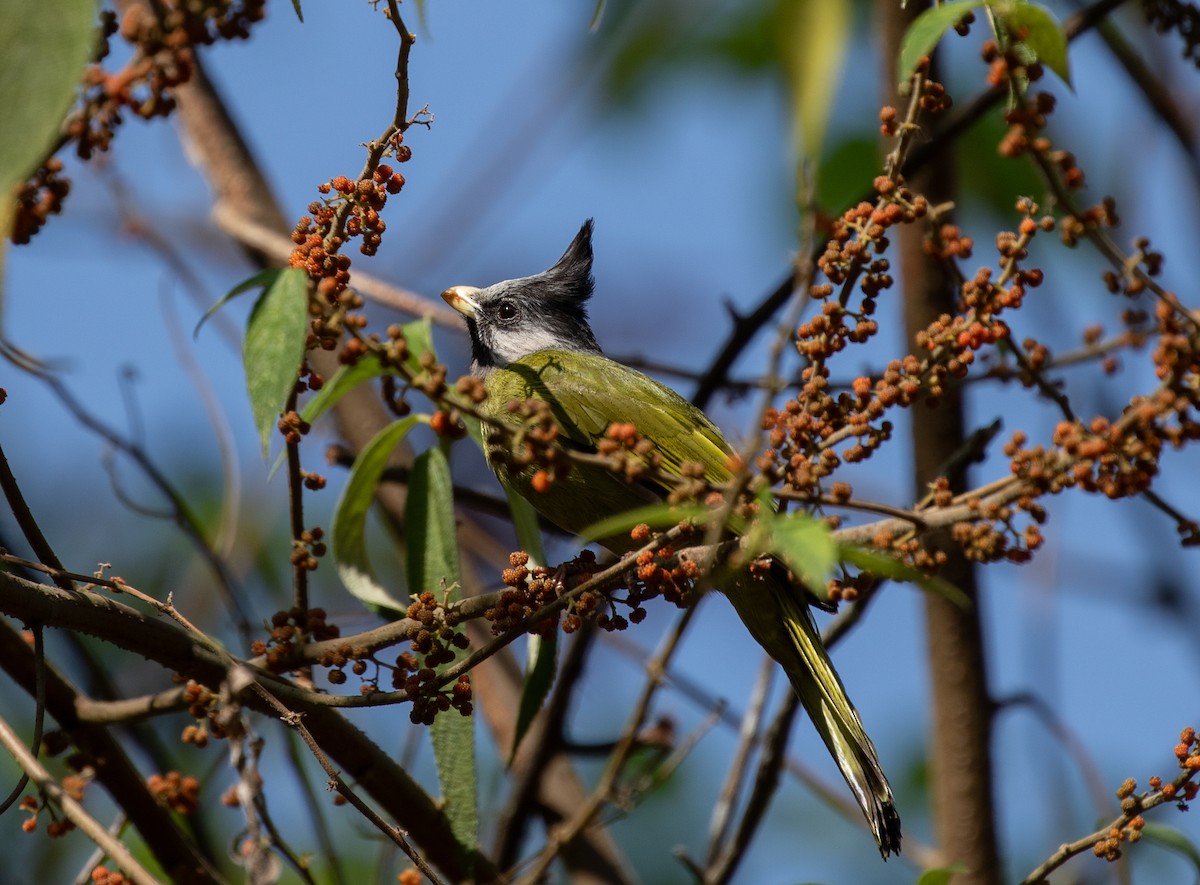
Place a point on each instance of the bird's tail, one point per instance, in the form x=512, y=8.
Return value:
x=784, y=627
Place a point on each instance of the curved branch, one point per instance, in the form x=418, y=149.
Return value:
x=73, y=810
x=359, y=758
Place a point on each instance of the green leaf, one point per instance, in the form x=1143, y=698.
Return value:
x=274, y=347
x=993, y=179
x=844, y=169
x=261, y=280
x=1170, y=838
x=925, y=32
x=43, y=52
x=540, y=669
x=813, y=38
x=419, y=335
x=299, y=11
x=541, y=664
x=429, y=523
x=350, y=519
x=345, y=379
x=1045, y=36
x=657, y=516
x=803, y=543
x=884, y=566
x=432, y=563
x=941, y=875
x=529, y=531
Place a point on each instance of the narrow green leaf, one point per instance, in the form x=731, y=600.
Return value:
x=345, y=379
x=1044, y=36
x=429, y=523
x=925, y=32
x=299, y=11
x=274, y=347
x=350, y=520
x=541, y=667
x=657, y=516
x=843, y=169
x=1173, y=840
x=529, y=531
x=813, y=40
x=433, y=563
x=419, y=335
x=804, y=544
x=43, y=51
x=541, y=664
x=884, y=566
x=261, y=280
x=941, y=875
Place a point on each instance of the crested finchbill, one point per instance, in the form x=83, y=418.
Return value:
x=531, y=339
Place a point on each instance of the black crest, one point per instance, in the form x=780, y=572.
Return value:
x=571, y=276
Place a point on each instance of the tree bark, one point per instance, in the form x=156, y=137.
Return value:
x=960, y=726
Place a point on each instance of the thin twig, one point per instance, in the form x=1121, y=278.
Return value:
x=181, y=513
x=84, y=876
x=616, y=762
x=278, y=247
x=748, y=739
x=39, y=716
x=1142, y=803
x=325, y=837
x=395, y=833
x=73, y=810
x=299, y=556
x=766, y=781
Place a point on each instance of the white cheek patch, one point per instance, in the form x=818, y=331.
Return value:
x=511, y=346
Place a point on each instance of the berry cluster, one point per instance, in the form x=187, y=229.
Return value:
x=102, y=875
x=347, y=209
x=202, y=706
x=288, y=628
x=661, y=573
x=73, y=785
x=39, y=198
x=360, y=661
x=163, y=38
x=849, y=588
x=310, y=546
x=528, y=592
x=1129, y=827
x=435, y=642
x=293, y=427
x=529, y=446
x=630, y=454
x=178, y=792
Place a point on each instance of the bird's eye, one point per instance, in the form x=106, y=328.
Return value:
x=507, y=311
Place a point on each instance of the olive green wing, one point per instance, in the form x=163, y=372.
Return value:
x=586, y=393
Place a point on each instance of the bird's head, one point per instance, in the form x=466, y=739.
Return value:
x=514, y=318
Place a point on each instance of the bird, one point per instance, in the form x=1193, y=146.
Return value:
x=531, y=341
